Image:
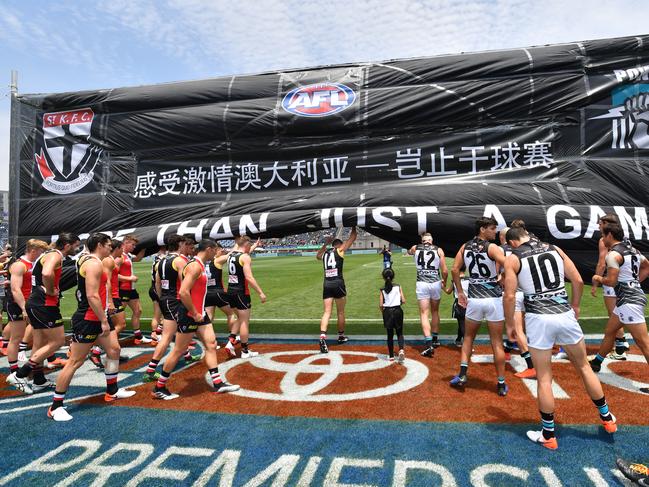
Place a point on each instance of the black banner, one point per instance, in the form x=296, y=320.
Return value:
x=556, y=135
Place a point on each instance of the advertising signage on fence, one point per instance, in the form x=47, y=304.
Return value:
x=556, y=135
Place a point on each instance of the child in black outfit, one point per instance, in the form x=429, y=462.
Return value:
x=390, y=301
x=458, y=311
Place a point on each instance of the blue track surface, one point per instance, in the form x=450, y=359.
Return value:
x=261, y=440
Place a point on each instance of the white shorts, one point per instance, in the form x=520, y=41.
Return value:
x=544, y=331
x=520, y=298
x=490, y=309
x=429, y=290
x=630, y=314
x=609, y=292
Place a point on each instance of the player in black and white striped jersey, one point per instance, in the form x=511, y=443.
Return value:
x=484, y=302
x=626, y=268
x=156, y=321
x=621, y=344
x=516, y=330
x=432, y=274
x=540, y=270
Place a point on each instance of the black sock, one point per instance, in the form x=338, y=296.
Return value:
x=602, y=406
x=528, y=359
x=341, y=333
x=547, y=422
x=233, y=338
x=22, y=347
x=463, y=369
x=57, y=401
x=460, y=328
x=390, y=332
x=39, y=376
x=25, y=370
x=620, y=345
x=435, y=337
x=244, y=347
x=400, y=340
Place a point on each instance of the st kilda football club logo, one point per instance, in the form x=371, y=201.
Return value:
x=67, y=160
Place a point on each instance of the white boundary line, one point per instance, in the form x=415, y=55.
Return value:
x=258, y=337
x=362, y=320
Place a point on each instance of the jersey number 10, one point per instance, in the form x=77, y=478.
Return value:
x=551, y=280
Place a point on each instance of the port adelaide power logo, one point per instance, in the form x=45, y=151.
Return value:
x=66, y=160
x=318, y=100
x=628, y=114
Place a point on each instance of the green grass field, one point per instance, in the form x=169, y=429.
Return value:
x=293, y=286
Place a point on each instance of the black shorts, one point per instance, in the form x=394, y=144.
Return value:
x=14, y=313
x=44, y=317
x=85, y=331
x=119, y=306
x=334, y=289
x=458, y=311
x=154, y=295
x=169, y=308
x=239, y=301
x=216, y=298
x=393, y=318
x=127, y=295
x=187, y=324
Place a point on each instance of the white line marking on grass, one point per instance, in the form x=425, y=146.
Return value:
x=87, y=376
x=360, y=320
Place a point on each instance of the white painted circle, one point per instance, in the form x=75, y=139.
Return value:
x=416, y=373
x=607, y=376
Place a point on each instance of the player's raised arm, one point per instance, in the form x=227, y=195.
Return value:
x=350, y=240
x=323, y=249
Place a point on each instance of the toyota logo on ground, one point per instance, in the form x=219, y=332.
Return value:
x=318, y=100
x=291, y=390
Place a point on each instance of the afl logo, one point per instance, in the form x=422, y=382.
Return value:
x=318, y=100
